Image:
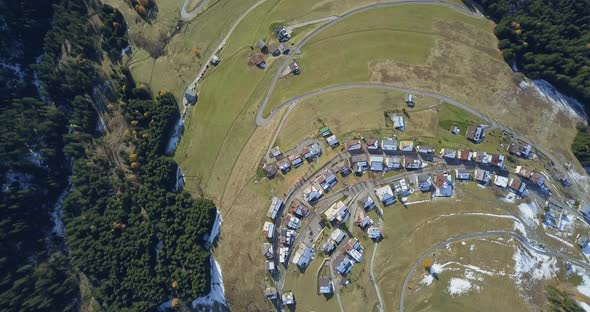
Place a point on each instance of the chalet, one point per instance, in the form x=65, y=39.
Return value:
x=344, y=171
x=412, y=162
x=501, y=181
x=283, y=254
x=332, y=141
x=388, y=145
x=284, y=48
x=292, y=222
x=516, y=185
x=303, y=256
x=327, y=180
x=520, y=149
x=338, y=211
x=288, y=298
x=267, y=251
x=564, y=180
x=497, y=160
x=270, y=170
x=538, y=179
x=524, y=172
x=343, y=264
x=443, y=186
x=299, y=209
x=282, y=34
x=464, y=155
x=191, y=96
x=274, y=50
x=463, y=175
x=552, y=217
x=476, y=133
x=354, y=146
x=355, y=254
x=275, y=206
x=374, y=233
x=584, y=243
x=328, y=247
x=337, y=236
x=385, y=195
x=287, y=236
x=215, y=60
x=268, y=230
x=424, y=183
x=284, y=165
x=425, y=149
x=354, y=243
x=312, y=151
x=482, y=176
x=448, y=153
x=296, y=161
x=312, y=193
x=359, y=163
x=262, y=46
x=269, y=265
x=410, y=100
x=325, y=132
x=369, y=204
x=276, y=152
x=363, y=221
x=401, y=187
x=376, y=163
x=324, y=286
x=270, y=293
x=294, y=68
x=455, y=130
x=406, y=146
x=398, y=122
x=372, y=146
x=393, y=163
x=480, y=158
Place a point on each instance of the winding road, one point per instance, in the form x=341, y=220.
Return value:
x=187, y=16
x=521, y=239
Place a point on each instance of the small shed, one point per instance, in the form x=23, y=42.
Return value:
x=269, y=170
x=262, y=46
x=294, y=68
x=398, y=122
x=324, y=286
x=274, y=50
x=258, y=60
x=410, y=100
x=284, y=48
x=288, y=298
x=215, y=60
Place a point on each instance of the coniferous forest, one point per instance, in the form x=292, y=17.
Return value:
x=130, y=237
x=550, y=40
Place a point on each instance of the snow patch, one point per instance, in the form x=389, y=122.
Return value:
x=528, y=212
x=179, y=180
x=534, y=265
x=175, y=136
x=520, y=228
x=58, y=224
x=427, y=280
x=217, y=293
x=459, y=286
x=584, y=305
x=210, y=238
x=564, y=103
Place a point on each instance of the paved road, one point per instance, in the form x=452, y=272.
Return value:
x=187, y=16
x=521, y=239
x=289, y=58
x=310, y=22
x=261, y=121
x=194, y=83
x=375, y=284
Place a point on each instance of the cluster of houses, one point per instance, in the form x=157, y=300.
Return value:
x=287, y=297
x=352, y=254
x=384, y=155
x=287, y=233
x=285, y=164
x=276, y=50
